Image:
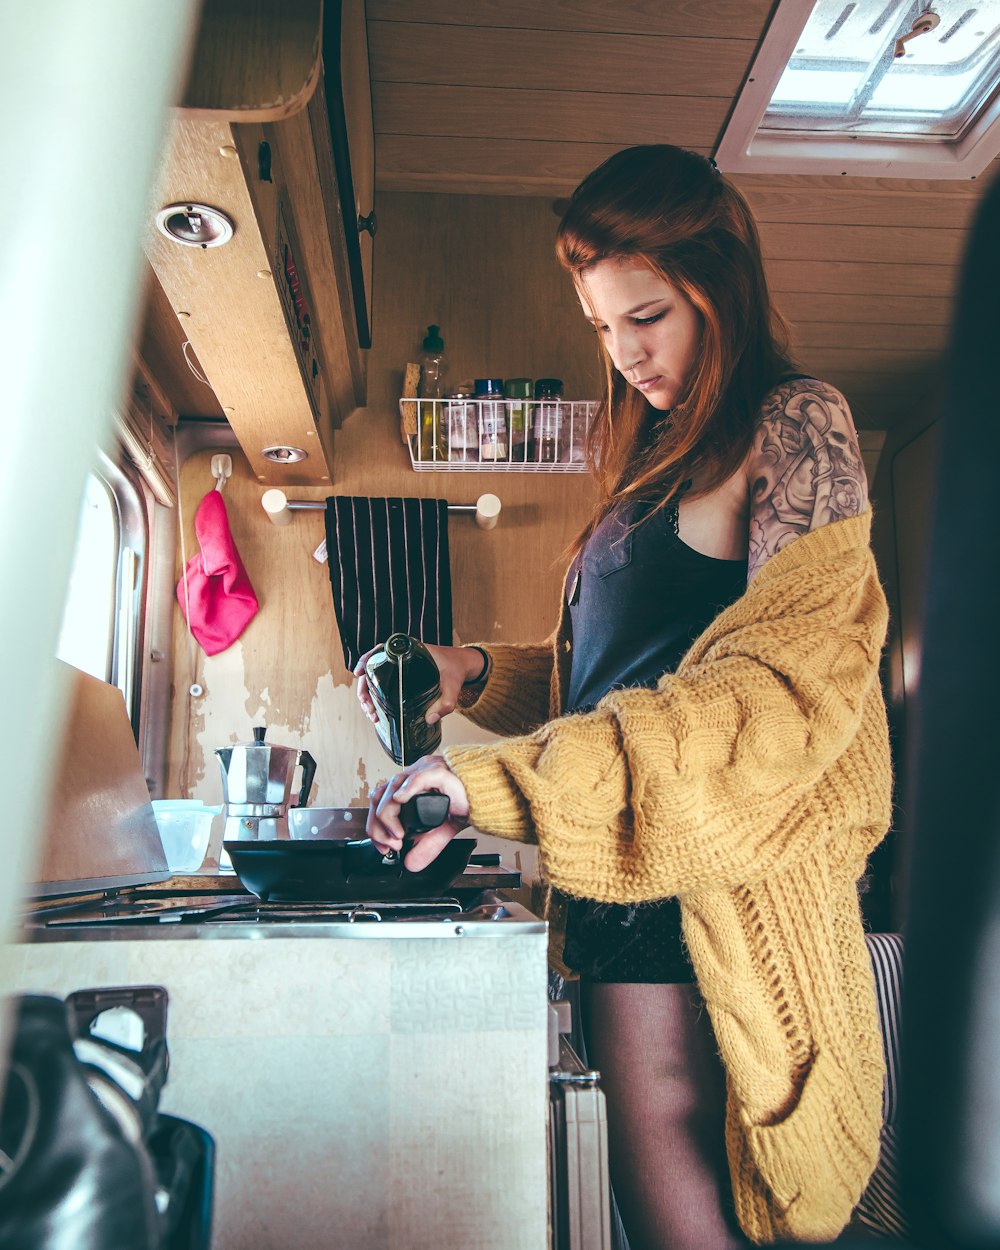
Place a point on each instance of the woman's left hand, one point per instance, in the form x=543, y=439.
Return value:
x=384, y=828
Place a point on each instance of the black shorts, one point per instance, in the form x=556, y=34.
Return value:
x=638, y=943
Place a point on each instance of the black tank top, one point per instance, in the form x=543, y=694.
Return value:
x=638, y=597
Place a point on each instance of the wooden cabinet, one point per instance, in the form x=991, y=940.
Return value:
x=273, y=315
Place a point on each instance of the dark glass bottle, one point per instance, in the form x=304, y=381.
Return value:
x=404, y=682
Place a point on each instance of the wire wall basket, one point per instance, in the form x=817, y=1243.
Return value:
x=497, y=435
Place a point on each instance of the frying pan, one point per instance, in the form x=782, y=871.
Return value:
x=352, y=869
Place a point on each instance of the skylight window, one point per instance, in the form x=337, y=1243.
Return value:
x=906, y=87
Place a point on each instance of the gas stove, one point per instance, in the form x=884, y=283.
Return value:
x=476, y=899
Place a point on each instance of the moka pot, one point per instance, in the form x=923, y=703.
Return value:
x=257, y=781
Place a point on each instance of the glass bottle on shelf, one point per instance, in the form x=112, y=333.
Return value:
x=518, y=393
x=574, y=445
x=548, y=419
x=492, y=419
x=433, y=436
x=432, y=364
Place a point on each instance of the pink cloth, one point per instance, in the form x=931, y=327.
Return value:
x=222, y=601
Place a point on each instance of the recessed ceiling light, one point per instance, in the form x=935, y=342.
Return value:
x=194, y=225
x=284, y=455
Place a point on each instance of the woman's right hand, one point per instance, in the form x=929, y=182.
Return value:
x=457, y=665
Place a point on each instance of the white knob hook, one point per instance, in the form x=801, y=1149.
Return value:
x=275, y=504
x=487, y=511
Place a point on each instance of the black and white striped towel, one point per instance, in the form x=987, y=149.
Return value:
x=881, y=1207
x=389, y=570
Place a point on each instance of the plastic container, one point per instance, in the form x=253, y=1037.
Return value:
x=185, y=827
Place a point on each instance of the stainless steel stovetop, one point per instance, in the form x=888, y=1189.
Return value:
x=473, y=904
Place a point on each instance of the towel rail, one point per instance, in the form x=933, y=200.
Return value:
x=279, y=508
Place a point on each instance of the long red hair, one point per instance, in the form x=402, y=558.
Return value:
x=672, y=210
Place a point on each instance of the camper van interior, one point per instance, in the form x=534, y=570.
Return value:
x=265, y=254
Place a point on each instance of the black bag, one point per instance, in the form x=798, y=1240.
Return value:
x=86, y=1160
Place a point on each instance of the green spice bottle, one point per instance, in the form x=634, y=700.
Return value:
x=518, y=393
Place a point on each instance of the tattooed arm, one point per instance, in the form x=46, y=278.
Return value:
x=805, y=468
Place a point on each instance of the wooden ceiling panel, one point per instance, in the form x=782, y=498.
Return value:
x=485, y=166
x=553, y=116
x=718, y=19
x=489, y=56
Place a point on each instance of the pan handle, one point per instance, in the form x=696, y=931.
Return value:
x=424, y=811
x=308, y=773
x=418, y=815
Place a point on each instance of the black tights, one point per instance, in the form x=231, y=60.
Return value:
x=665, y=1090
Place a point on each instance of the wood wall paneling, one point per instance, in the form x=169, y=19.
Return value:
x=864, y=337
x=858, y=279
x=877, y=245
x=801, y=308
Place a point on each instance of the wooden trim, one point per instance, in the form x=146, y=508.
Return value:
x=236, y=324
x=254, y=60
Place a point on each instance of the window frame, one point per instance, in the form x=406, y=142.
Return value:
x=744, y=149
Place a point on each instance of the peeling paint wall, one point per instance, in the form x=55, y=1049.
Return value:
x=287, y=670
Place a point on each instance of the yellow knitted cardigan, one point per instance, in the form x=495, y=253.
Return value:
x=752, y=784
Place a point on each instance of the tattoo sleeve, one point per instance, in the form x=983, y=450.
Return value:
x=805, y=468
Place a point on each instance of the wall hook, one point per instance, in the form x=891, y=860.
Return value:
x=222, y=468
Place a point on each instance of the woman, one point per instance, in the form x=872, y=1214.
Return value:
x=701, y=753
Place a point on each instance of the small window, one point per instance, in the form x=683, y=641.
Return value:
x=871, y=87
x=87, y=637
x=101, y=620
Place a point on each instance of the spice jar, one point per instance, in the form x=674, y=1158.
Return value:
x=463, y=424
x=492, y=419
x=518, y=392
x=548, y=419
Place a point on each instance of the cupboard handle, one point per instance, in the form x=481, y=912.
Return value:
x=369, y=223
